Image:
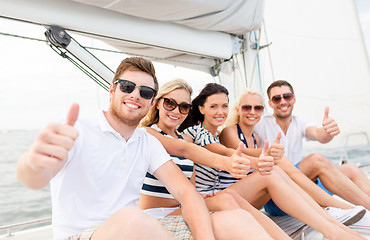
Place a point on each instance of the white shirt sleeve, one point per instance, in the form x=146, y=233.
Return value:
x=303, y=124
x=157, y=153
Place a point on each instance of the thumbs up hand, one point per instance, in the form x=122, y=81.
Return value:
x=72, y=114
x=50, y=149
x=277, y=150
x=329, y=125
x=239, y=166
x=265, y=163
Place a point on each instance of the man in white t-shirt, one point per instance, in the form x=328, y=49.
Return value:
x=96, y=167
x=346, y=181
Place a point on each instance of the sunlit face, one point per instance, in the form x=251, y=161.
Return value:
x=284, y=108
x=250, y=109
x=172, y=119
x=215, y=109
x=130, y=108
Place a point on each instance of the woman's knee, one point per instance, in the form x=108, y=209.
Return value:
x=279, y=170
x=227, y=198
x=285, y=165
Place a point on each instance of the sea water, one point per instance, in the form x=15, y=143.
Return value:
x=19, y=204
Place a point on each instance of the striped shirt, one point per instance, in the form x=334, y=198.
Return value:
x=152, y=186
x=208, y=180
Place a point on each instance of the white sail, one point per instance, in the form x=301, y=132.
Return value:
x=318, y=46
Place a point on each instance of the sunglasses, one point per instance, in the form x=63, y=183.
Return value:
x=128, y=87
x=170, y=104
x=277, y=98
x=248, y=108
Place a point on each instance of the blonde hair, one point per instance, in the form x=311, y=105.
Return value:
x=153, y=115
x=233, y=117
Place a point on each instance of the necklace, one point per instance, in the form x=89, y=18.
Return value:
x=209, y=131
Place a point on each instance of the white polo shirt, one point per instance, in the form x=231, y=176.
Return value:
x=104, y=173
x=267, y=128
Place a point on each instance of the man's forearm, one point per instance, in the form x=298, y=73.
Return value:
x=197, y=216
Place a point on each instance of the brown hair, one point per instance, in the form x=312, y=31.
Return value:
x=278, y=83
x=136, y=64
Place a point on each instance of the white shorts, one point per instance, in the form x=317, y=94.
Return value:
x=160, y=213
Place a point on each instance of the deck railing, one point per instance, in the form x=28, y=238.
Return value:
x=10, y=227
x=344, y=157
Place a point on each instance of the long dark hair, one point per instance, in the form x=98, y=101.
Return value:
x=195, y=116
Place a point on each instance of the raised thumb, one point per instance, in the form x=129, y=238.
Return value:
x=240, y=148
x=278, y=137
x=265, y=148
x=72, y=114
x=326, y=113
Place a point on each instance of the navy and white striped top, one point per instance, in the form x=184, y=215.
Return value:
x=208, y=180
x=152, y=186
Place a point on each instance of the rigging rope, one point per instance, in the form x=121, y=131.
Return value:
x=89, y=74
x=22, y=37
x=268, y=51
x=113, y=51
x=257, y=41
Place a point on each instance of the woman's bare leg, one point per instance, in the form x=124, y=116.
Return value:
x=237, y=224
x=229, y=199
x=257, y=189
x=270, y=226
x=310, y=201
x=318, y=194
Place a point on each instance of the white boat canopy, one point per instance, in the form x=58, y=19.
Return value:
x=189, y=33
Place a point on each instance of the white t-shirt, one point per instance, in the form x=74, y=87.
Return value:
x=104, y=173
x=267, y=128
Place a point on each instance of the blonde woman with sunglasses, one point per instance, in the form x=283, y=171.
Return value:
x=230, y=210
x=239, y=126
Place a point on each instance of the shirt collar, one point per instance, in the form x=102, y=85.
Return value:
x=106, y=127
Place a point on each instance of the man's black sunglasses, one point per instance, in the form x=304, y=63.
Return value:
x=127, y=86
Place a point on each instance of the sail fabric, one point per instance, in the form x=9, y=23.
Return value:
x=189, y=33
x=235, y=17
